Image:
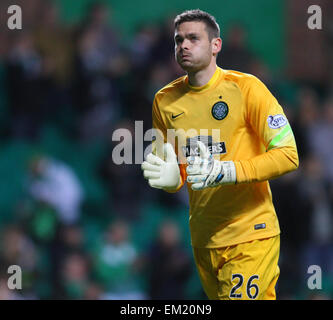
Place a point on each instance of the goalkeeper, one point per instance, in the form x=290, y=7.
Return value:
x=235, y=232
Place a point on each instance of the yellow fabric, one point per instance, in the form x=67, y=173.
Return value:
x=227, y=215
x=247, y=271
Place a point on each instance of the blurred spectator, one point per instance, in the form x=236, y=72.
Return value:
x=318, y=248
x=315, y=185
x=142, y=45
x=322, y=137
x=294, y=219
x=153, y=65
x=292, y=211
x=98, y=19
x=75, y=273
x=140, y=99
x=235, y=54
x=308, y=54
x=163, y=48
x=72, y=238
x=258, y=68
x=68, y=240
x=114, y=263
x=42, y=223
x=168, y=265
x=307, y=118
x=18, y=249
x=125, y=195
x=54, y=41
x=160, y=75
x=100, y=63
x=24, y=80
x=55, y=183
x=95, y=93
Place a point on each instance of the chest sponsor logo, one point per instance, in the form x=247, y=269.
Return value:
x=277, y=121
x=191, y=148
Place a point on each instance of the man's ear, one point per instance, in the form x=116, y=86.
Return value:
x=216, y=45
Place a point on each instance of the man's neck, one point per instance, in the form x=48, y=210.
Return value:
x=201, y=77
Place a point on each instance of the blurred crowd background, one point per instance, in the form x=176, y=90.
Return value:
x=82, y=227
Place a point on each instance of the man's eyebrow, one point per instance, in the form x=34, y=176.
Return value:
x=192, y=34
x=187, y=35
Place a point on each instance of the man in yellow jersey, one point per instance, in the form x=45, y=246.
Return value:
x=234, y=137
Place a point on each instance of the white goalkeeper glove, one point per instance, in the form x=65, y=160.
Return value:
x=162, y=174
x=204, y=171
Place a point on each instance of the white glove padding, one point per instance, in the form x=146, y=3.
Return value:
x=162, y=174
x=204, y=171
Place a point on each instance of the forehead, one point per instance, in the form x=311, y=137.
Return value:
x=191, y=27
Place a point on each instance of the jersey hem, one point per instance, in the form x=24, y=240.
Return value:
x=233, y=243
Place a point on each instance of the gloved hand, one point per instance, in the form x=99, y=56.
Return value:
x=162, y=174
x=204, y=171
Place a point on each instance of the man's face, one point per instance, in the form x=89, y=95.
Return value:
x=193, y=49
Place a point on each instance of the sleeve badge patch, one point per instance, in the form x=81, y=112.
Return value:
x=277, y=121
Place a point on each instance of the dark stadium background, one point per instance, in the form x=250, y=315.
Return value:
x=81, y=227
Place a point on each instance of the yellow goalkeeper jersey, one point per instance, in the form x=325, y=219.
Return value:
x=238, y=118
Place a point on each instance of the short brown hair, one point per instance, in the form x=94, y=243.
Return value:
x=212, y=26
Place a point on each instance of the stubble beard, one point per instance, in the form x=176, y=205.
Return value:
x=193, y=65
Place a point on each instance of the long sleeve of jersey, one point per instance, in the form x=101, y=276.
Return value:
x=161, y=138
x=268, y=121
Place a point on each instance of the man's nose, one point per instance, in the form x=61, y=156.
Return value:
x=185, y=44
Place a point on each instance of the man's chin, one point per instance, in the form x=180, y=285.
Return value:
x=188, y=66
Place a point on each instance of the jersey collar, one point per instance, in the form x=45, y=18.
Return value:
x=211, y=82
